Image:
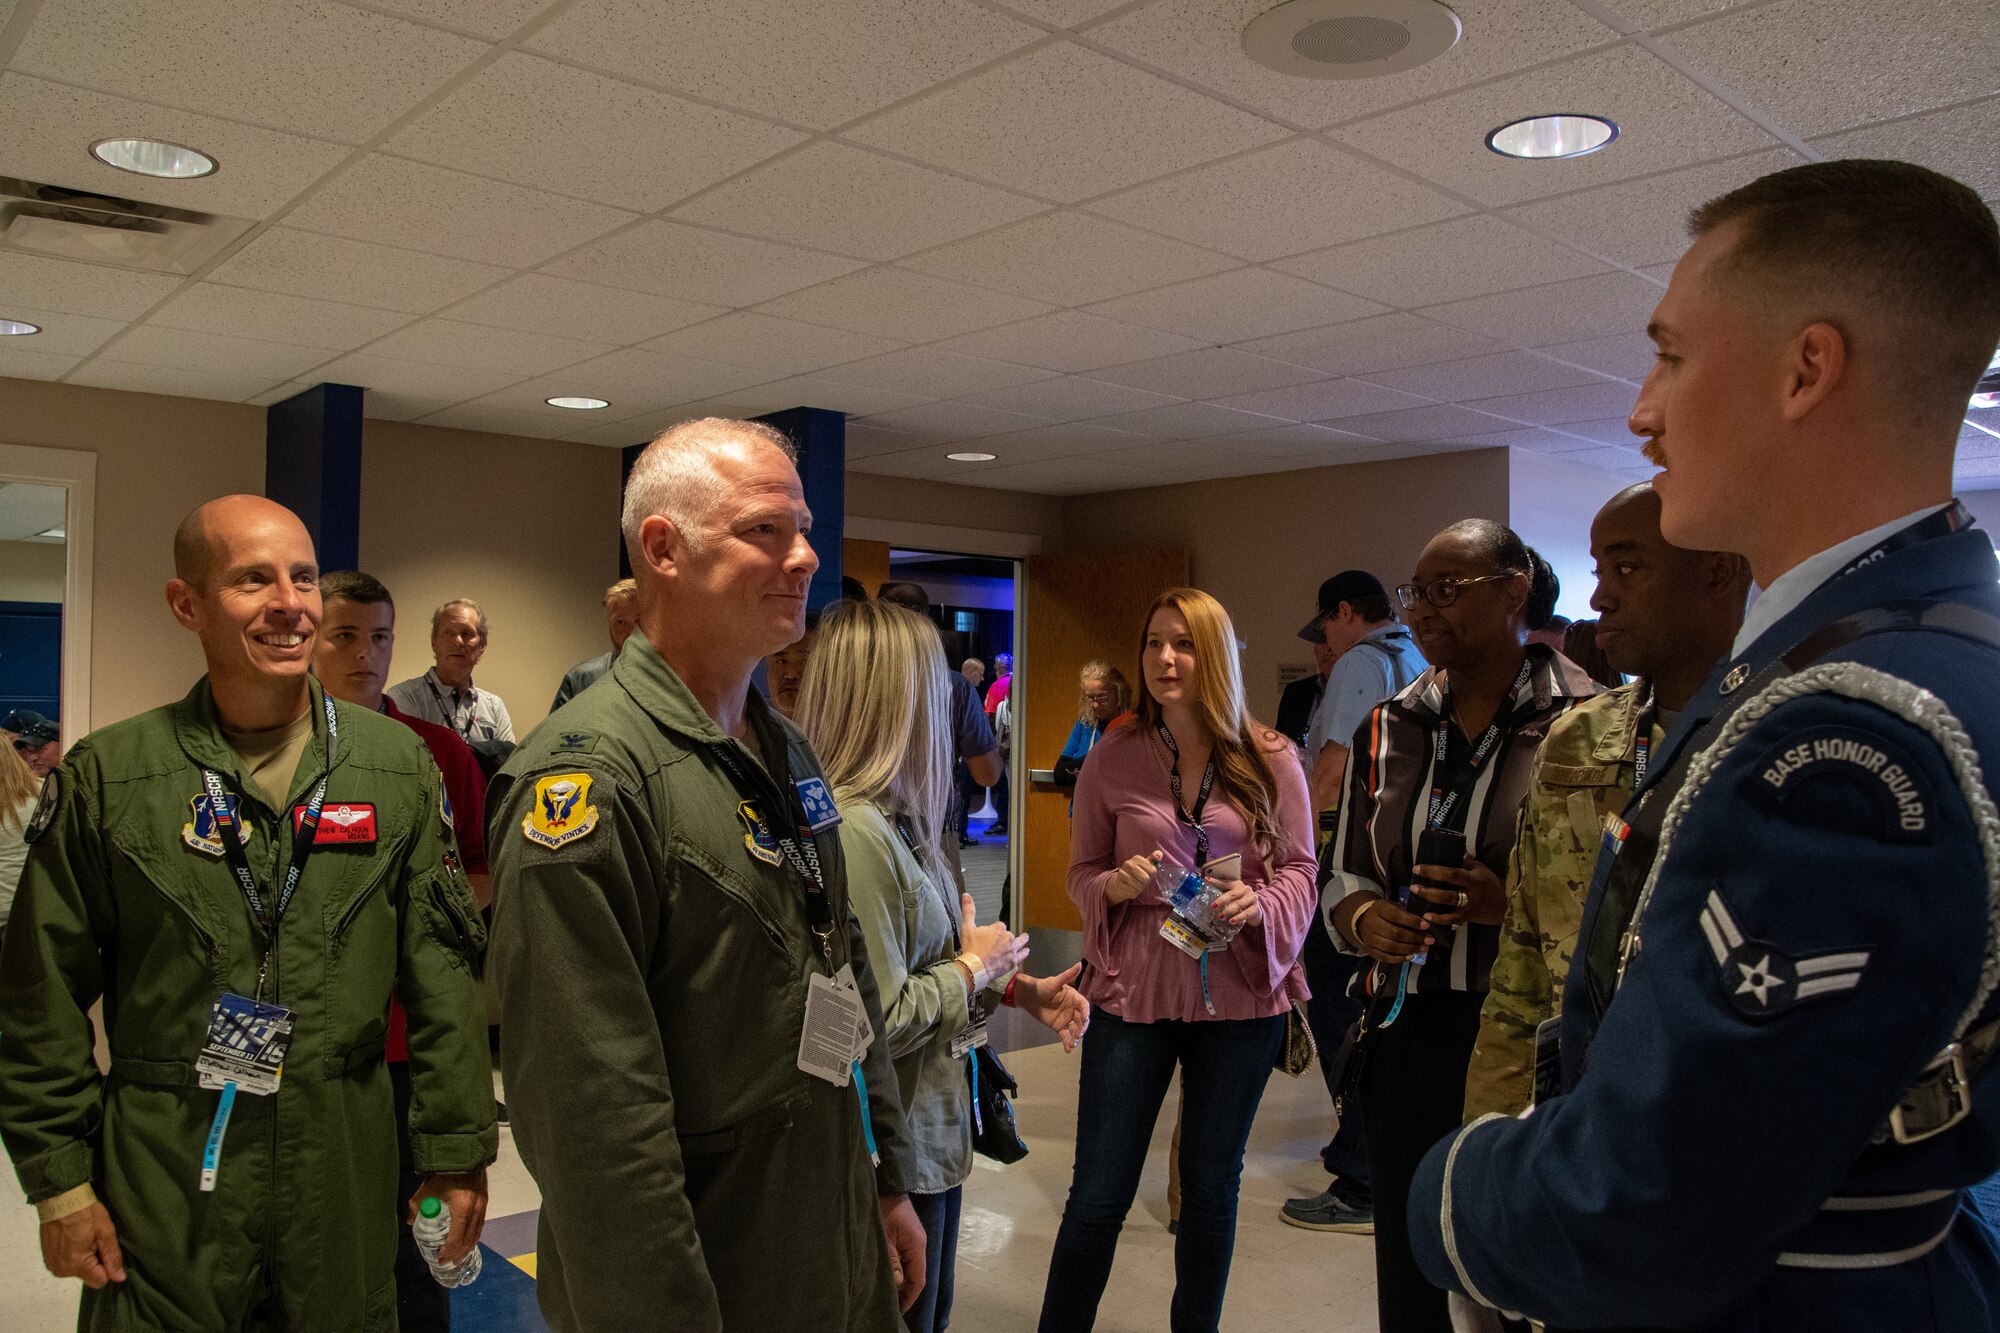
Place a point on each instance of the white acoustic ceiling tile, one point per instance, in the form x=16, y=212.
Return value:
x=137, y=377
x=414, y=381
x=656, y=377
x=61, y=334
x=1625, y=356
x=931, y=373
x=1065, y=13
x=1065, y=123
x=560, y=128
x=1190, y=421
x=301, y=65
x=1212, y=372
x=1625, y=462
x=1279, y=201
x=1610, y=431
x=1819, y=67
x=1484, y=377
x=1365, y=346
x=1072, y=398
x=1055, y=476
x=1056, y=441
x=781, y=346
x=1534, y=439
x=866, y=440
x=1303, y=441
x=491, y=19
x=1472, y=256
x=896, y=303
x=539, y=303
x=331, y=268
x=214, y=354
x=1665, y=121
x=857, y=400
x=532, y=396
x=927, y=463
x=80, y=289
x=385, y=405
x=50, y=125
x=1659, y=13
x=1425, y=424
x=1553, y=407
x=696, y=264
x=25, y=363
x=855, y=202
x=210, y=307
x=1958, y=142
x=1071, y=340
x=498, y=421
x=1068, y=258
x=422, y=207
x=1202, y=40
x=946, y=422
x=1242, y=304
x=447, y=342
x=1645, y=221
x=617, y=435
x=1323, y=401
x=816, y=64
x=279, y=393
x=1559, y=312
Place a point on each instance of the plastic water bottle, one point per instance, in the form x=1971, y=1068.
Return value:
x=433, y=1224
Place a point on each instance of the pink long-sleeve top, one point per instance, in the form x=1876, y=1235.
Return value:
x=1124, y=808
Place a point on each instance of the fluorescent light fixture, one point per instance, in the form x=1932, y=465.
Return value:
x=1552, y=136
x=151, y=157
x=17, y=328
x=972, y=457
x=577, y=404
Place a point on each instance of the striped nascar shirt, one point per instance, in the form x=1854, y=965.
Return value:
x=1389, y=780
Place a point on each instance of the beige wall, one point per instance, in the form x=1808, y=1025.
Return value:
x=32, y=571
x=1261, y=545
x=157, y=458
x=939, y=516
x=526, y=528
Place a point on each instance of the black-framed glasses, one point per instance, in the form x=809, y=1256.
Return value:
x=1443, y=592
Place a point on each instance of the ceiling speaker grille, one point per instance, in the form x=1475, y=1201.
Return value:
x=1350, y=40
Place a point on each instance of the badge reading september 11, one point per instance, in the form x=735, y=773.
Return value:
x=562, y=812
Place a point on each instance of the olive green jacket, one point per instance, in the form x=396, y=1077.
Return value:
x=653, y=969
x=1581, y=778
x=117, y=903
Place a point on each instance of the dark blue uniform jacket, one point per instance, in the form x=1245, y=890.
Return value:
x=1815, y=937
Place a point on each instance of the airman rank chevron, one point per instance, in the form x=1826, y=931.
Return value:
x=561, y=812
x=1761, y=980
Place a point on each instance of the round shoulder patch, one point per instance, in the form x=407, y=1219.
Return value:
x=45, y=808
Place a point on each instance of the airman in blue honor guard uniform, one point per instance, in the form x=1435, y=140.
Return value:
x=1776, y=1035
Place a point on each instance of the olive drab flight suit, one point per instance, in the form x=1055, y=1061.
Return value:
x=652, y=944
x=127, y=896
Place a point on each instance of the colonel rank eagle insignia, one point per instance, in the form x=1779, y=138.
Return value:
x=561, y=813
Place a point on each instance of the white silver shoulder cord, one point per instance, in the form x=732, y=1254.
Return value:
x=1914, y=705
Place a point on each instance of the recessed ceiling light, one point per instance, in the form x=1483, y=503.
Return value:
x=151, y=157
x=1350, y=39
x=1552, y=136
x=972, y=458
x=17, y=328
x=577, y=404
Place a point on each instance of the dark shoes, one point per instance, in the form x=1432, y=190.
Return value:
x=1330, y=1212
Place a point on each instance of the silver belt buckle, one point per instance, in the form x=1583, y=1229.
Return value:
x=1950, y=1060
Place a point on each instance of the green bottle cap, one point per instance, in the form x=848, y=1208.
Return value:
x=430, y=1208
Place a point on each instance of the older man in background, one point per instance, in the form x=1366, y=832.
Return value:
x=621, y=617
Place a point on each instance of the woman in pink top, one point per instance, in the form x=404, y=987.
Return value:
x=1192, y=780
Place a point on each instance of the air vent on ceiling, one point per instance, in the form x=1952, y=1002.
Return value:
x=60, y=223
x=1350, y=39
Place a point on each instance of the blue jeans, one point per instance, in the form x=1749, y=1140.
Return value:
x=1127, y=1068
x=939, y=1215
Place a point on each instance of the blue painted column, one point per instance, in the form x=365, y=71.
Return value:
x=821, y=437
x=312, y=466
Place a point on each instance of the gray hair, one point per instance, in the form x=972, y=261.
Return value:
x=675, y=477
x=478, y=616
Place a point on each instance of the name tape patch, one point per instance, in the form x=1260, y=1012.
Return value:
x=348, y=822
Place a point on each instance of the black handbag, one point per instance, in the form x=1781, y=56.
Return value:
x=993, y=1090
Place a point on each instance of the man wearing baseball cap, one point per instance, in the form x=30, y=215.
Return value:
x=37, y=739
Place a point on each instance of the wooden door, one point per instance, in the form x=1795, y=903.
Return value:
x=865, y=560
x=1078, y=606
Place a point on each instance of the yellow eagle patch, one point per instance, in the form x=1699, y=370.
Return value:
x=561, y=812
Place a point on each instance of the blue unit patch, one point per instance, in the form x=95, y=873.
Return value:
x=1761, y=979
x=200, y=832
x=821, y=812
x=1846, y=780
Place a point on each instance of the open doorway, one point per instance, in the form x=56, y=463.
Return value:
x=46, y=502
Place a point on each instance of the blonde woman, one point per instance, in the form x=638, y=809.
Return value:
x=1104, y=700
x=19, y=790
x=1193, y=779
x=875, y=703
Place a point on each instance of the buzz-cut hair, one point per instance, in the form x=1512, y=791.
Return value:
x=675, y=477
x=354, y=586
x=1913, y=247
x=478, y=616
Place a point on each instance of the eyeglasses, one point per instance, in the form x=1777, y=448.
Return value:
x=1443, y=592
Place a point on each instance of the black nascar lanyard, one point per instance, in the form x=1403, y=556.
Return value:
x=1192, y=818
x=803, y=856
x=1444, y=802
x=450, y=712
x=302, y=844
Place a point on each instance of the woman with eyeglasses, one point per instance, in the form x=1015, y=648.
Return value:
x=1104, y=700
x=1449, y=755
x=1195, y=781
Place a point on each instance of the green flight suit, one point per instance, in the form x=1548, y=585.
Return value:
x=118, y=902
x=653, y=971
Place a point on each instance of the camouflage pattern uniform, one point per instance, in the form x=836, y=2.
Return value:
x=1581, y=778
